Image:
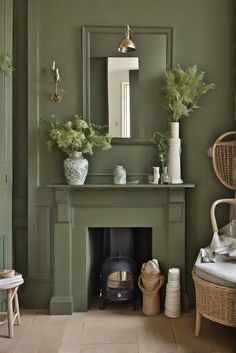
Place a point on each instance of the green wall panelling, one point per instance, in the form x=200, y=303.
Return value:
x=196, y=45
x=6, y=9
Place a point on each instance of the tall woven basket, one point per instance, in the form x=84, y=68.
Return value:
x=223, y=154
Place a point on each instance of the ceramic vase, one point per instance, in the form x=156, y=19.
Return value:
x=174, y=166
x=156, y=175
x=165, y=176
x=119, y=175
x=75, y=169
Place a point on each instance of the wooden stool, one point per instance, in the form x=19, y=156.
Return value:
x=13, y=312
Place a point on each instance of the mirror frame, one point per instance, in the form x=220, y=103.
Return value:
x=86, y=37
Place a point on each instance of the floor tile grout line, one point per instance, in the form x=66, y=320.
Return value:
x=24, y=334
x=62, y=336
x=173, y=333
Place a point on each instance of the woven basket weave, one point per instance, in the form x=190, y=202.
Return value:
x=215, y=302
x=223, y=154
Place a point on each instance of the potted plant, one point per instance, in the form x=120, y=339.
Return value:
x=181, y=92
x=5, y=64
x=75, y=138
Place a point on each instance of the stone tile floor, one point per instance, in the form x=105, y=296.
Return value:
x=117, y=329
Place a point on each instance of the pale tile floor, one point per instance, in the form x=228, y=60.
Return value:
x=117, y=329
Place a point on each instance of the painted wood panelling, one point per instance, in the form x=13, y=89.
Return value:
x=43, y=241
x=61, y=40
x=2, y=251
x=6, y=8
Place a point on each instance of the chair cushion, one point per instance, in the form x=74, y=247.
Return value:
x=221, y=273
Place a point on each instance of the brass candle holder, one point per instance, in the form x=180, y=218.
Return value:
x=56, y=97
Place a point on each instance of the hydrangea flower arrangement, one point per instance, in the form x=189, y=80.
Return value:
x=76, y=136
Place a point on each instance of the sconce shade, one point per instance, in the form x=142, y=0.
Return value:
x=126, y=44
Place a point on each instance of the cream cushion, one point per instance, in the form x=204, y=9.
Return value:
x=221, y=273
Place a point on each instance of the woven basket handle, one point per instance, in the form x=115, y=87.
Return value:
x=231, y=202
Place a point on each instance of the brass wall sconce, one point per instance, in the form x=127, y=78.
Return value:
x=126, y=44
x=55, y=97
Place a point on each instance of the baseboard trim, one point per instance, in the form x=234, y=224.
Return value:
x=61, y=306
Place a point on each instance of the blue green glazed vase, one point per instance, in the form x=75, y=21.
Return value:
x=75, y=169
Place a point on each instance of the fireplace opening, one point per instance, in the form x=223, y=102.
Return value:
x=118, y=280
x=116, y=256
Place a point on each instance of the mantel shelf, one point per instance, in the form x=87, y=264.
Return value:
x=124, y=186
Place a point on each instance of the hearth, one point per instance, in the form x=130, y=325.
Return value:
x=118, y=280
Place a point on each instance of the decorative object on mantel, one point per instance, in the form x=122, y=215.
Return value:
x=126, y=44
x=161, y=140
x=165, y=176
x=172, y=301
x=56, y=97
x=5, y=64
x=75, y=138
x=119, y=175
x=156, y=175
x=180, y=95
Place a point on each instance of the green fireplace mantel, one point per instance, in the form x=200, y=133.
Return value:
x=121, y=186
x=77, y=208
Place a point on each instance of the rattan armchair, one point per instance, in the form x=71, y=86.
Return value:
x=215, y=302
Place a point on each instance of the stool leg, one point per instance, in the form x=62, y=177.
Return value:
x=16, y=302
x=10, y=312
x=198, y=322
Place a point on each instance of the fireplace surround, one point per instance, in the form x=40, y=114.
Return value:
x=78, y=208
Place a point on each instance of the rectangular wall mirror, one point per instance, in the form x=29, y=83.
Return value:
x=122, y=90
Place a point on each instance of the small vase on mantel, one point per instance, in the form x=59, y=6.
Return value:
x=75, y=169
x=174, y=166
x=156, y=175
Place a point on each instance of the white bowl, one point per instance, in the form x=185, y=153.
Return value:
x=172, y=287
x=174, y=272
x=174, y=281
x=173, y=305
x=172, y=301
x=171, y=314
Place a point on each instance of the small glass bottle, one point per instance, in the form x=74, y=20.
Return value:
x=119, y=175
x=165, y=176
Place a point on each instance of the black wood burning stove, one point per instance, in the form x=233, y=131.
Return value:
x=118, y=280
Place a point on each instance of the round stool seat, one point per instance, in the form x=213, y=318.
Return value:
x=12, y=314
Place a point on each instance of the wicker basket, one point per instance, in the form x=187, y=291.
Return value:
x=150, y=280
x=223, y=155
x=214, y=302
x=151, y=298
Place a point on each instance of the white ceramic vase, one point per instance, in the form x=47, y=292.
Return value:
x=156, y=175
x=174, y=166
x=75, y=169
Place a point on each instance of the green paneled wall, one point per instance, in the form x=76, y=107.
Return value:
x=54, y=33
